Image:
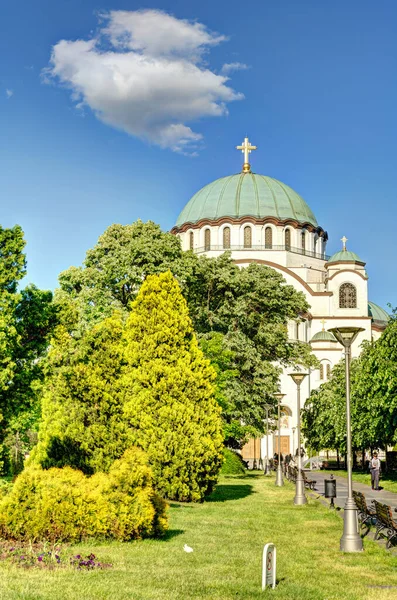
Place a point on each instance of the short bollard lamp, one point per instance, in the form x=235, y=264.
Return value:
x=279, y=475
x=267, y=463
x=351, y=540
x=300, y=497
x=330, y=490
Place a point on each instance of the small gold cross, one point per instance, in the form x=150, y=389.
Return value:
x=344, y=240
x=323, y=322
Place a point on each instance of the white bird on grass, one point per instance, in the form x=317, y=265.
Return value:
x=187, y=548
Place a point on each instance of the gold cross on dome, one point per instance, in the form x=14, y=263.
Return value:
x=323, y=322
x=246, y=148
x=344, y=240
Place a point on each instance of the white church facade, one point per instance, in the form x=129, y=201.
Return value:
x=259, y=219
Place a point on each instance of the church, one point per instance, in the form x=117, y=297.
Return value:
x=260, y=219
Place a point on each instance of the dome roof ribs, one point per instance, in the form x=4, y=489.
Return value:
x=247, y=195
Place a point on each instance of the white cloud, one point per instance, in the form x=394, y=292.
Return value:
x=143, y=74
x=9, y=93
x=235, y=66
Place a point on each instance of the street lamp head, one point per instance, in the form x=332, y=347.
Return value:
x=346, y=335
x=298, y=377
x=293, y=429
x=279, y=396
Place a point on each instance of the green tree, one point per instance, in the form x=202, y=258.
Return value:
x=324, y=415
x=83, y=425
x=26, y=321
x=375, y=387
x=169, y=394
x=239, y=315
x=114, y=270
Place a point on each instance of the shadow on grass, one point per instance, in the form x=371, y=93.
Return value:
x=171, y=533
x=224, y=493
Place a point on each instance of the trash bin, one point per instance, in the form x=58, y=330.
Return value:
x=330, y=489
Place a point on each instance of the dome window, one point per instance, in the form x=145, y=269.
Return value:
x=191, y=240
x=321, y=371
x=268, y=237
x=303, y=242
x=328, y=370
x=207, y=240
x=247, y=237
x=347, y=296
x=226, y=238
x=288, y=239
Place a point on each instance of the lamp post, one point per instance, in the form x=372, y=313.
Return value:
x=293, y=441
x=300, y=497
x=279, y=475
x=267, y=465
x=351, y=540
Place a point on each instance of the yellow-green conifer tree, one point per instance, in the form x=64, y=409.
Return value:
x=169, y=394
x=82, y=418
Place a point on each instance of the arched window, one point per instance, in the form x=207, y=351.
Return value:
x=303, y=242
x=268, y=237
x=328, y=370
x=321, y=371
x=247, y=237
x=191, y=240
x=287, y=239
x=207, y=239
x=347, y=296
x=226, y=238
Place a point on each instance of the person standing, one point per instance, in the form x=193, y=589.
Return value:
x=374, y=466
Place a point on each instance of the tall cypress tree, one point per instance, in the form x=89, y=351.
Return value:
x=169, y=394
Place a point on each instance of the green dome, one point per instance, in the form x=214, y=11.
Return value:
x=345, y=256
x=377, y=313
x=243, y=195
x=324, y=336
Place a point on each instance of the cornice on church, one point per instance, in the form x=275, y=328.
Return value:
x=253, y=221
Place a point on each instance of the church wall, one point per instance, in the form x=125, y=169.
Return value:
x=358, y=279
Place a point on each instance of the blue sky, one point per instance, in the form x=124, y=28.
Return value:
x=319, y=98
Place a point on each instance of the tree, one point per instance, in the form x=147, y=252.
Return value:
x=376, y=388
x=373, y=412
x=169, y=394
x=26, y=321
x=114, y=270
x=242, y=315
x=83, y=425
x=243, y=311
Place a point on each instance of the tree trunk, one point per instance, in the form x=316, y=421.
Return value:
x=337, y=459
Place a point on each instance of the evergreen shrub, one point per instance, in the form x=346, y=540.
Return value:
x=168, y=388
x=233, y=464
x=66, y=505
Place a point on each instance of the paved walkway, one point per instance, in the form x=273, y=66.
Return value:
x=384, y=496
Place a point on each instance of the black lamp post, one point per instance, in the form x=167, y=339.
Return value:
x=351, y=540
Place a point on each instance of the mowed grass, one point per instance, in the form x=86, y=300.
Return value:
x=227, y=534
x=388, y=481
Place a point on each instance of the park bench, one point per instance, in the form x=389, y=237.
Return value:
x=310, y=483
x=385, y=524
x=366, y=514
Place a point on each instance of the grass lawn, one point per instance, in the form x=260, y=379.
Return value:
x=387, y=482
x=227, y=535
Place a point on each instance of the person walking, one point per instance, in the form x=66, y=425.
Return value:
x=374, y=467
